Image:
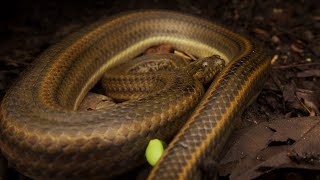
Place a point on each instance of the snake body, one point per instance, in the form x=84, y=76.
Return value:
x=139, y=74
x=43, y=137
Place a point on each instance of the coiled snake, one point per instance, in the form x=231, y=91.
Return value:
x=44, y=138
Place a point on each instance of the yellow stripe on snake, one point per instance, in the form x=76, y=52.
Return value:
x=43, y=136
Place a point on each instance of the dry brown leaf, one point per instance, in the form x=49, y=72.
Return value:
x=283, y=143
x=160, y=49
x=310, y=100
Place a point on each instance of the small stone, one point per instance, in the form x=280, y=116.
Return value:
x=275, y=39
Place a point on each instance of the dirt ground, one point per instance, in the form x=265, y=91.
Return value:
x=263, y=146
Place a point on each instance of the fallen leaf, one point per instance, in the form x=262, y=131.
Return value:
x=310, y=99
x=282, y=143
x=160, y=49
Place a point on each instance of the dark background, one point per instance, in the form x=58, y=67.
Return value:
x=289, y=28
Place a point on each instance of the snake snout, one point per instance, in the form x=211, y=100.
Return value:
x=207, y=68
x=212, y=61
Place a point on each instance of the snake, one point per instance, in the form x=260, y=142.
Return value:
x=44, y=137
x=143, y=75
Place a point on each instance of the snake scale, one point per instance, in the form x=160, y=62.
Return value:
x=43, y=137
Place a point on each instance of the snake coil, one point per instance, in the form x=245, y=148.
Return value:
x=44, y=138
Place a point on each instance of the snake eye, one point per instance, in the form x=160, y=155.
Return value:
x=205, y=64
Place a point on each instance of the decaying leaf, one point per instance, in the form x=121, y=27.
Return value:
x=160, y=49
x=310, y=100
x=300, y=88
x=286, y=143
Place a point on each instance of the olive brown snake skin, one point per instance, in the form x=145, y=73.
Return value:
x=44, y=138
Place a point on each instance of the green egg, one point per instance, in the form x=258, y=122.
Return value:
x=154, y=151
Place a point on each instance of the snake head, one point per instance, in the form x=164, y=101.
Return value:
x=205, y=69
